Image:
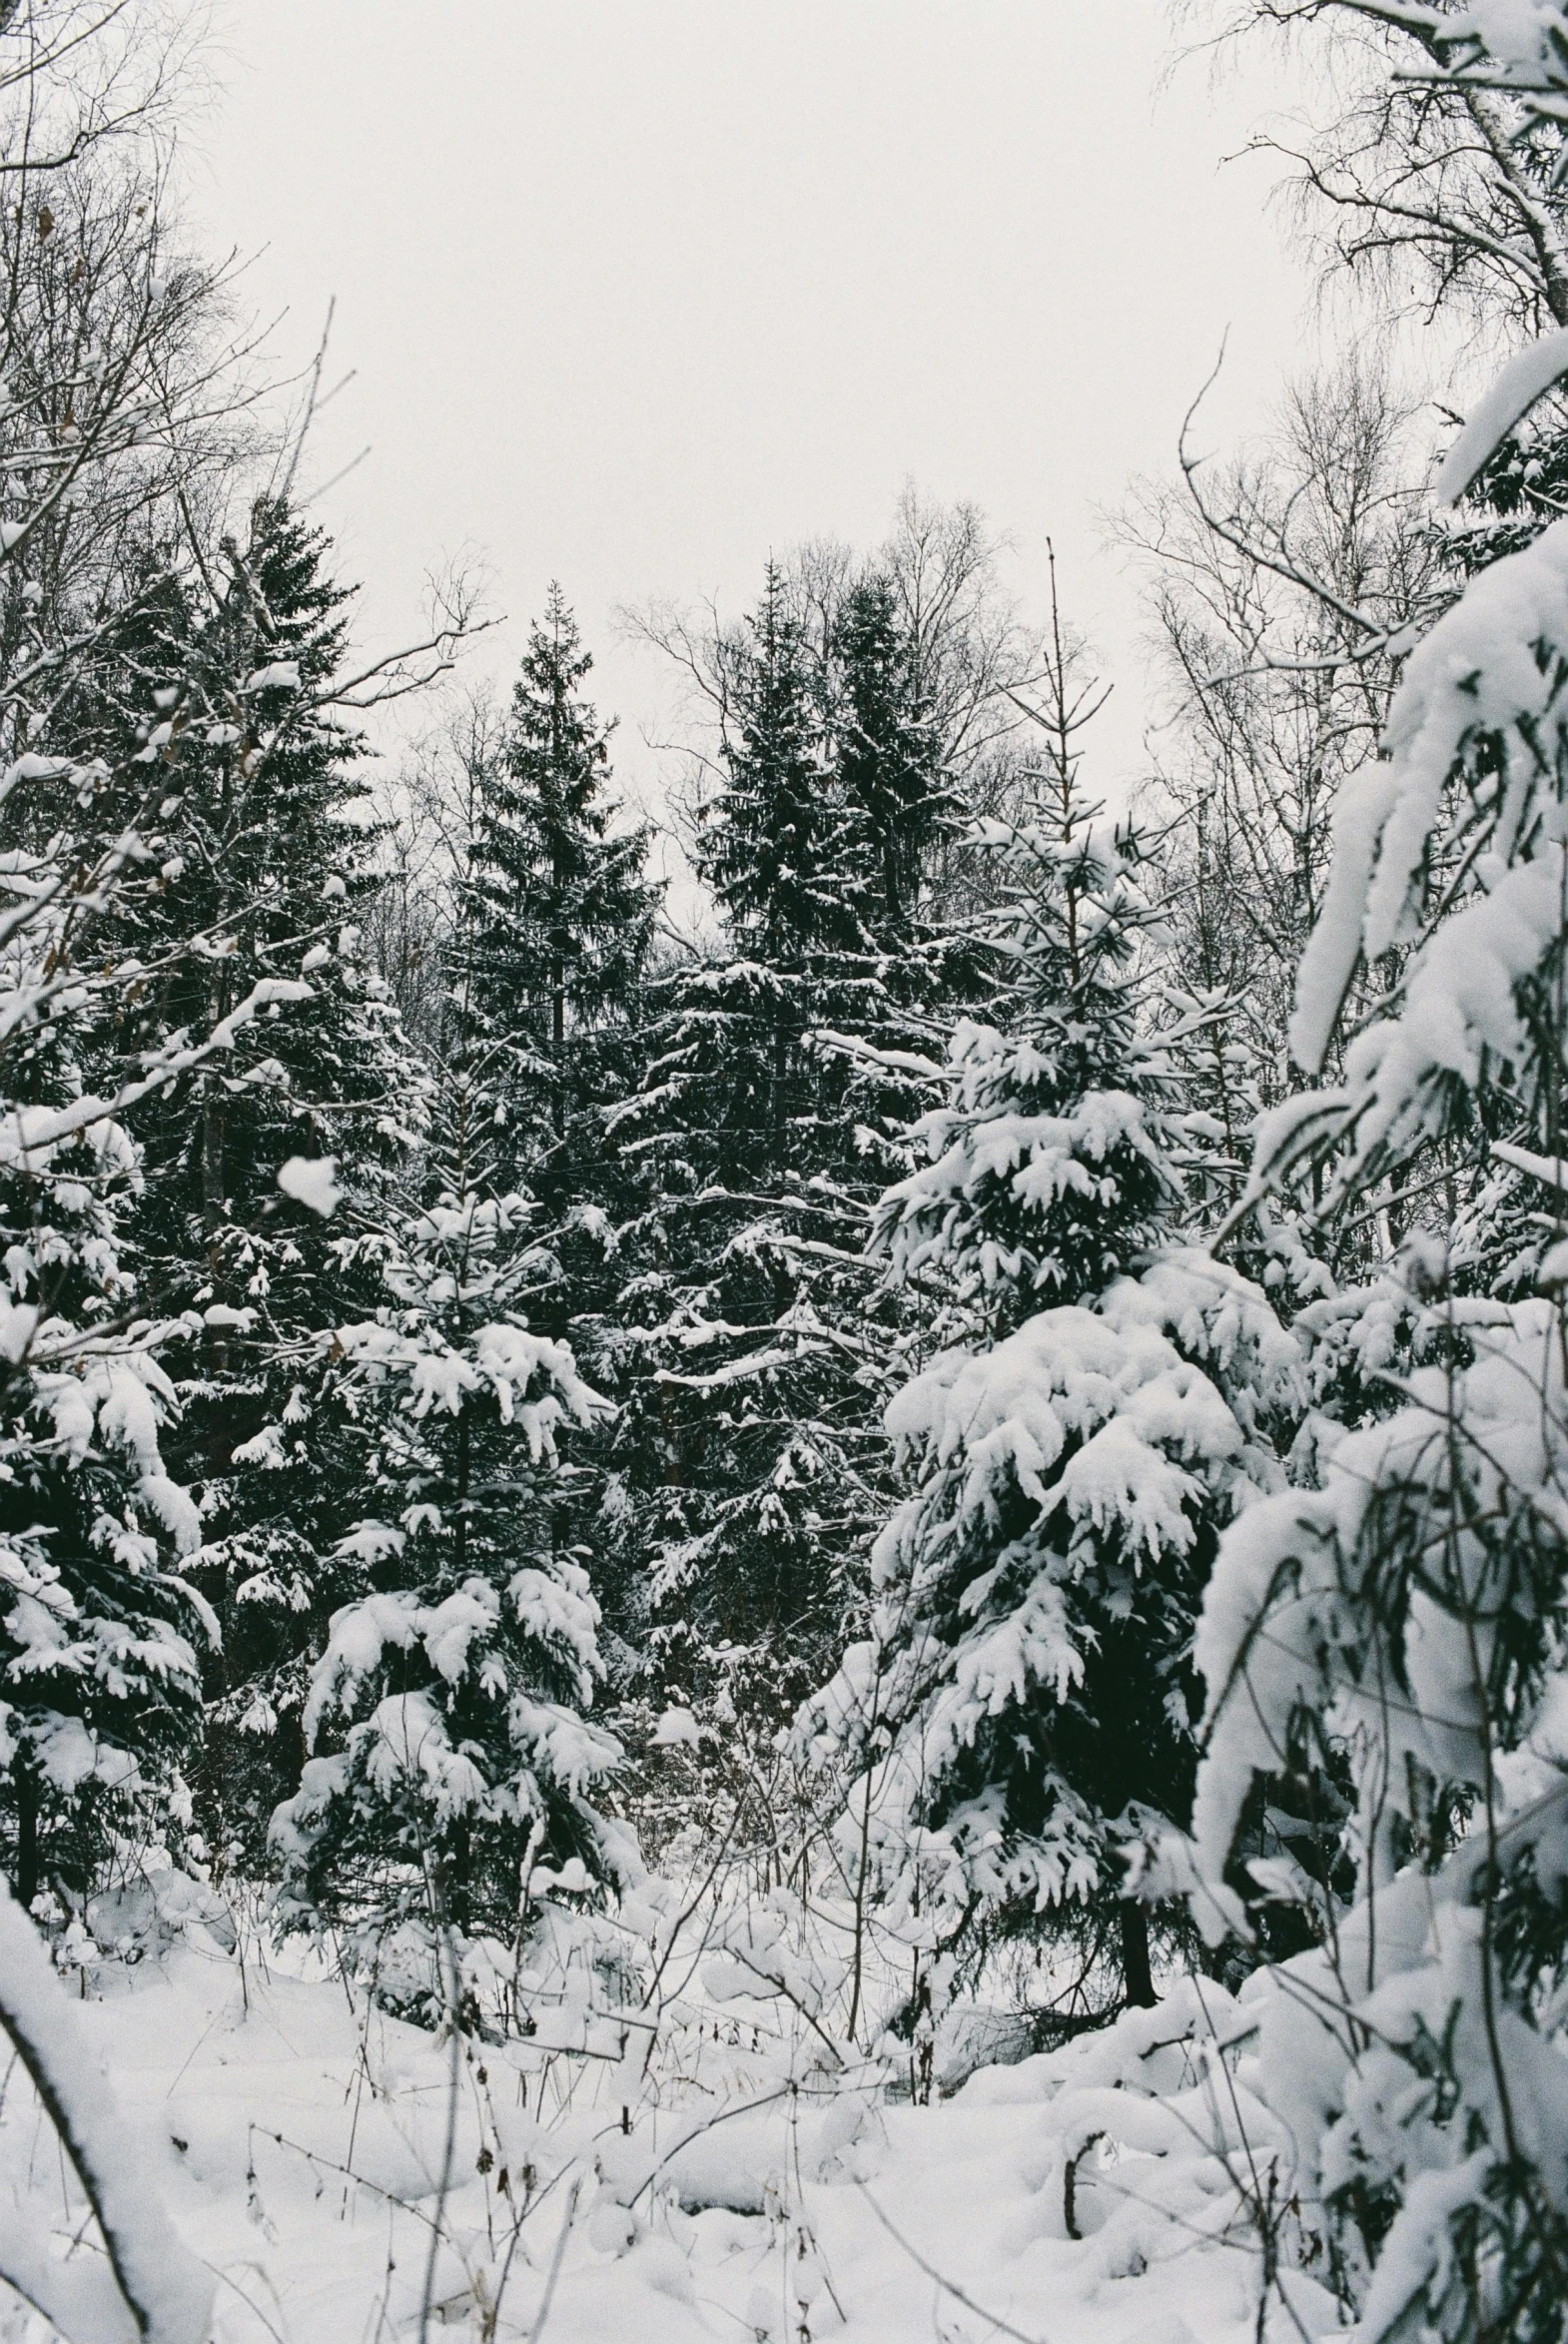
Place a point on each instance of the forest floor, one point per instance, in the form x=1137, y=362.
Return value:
x=301, y=2138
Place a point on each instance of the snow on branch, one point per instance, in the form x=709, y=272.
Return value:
x=158, y=2290
x=1526, y=378
x=45, y=1129
x=1487, y=668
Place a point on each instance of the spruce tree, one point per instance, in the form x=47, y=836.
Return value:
x=559, y=920
x=100, y=1682
x=1021, y=1713
x=556, y=917
x=551, y=922
x=751, y=1350
x=451, y=1761
x=889, y=760
x=1396, y=1628
x=274, y=854
x=103, y=1636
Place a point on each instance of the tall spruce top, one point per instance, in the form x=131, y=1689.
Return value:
x=557, y=912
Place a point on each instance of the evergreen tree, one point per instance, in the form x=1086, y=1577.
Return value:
x=555, y=919
x=103, y=1634
x=272, y=852
x=549, y=920
x=100, y=1686
x=559, y=924
x=889, y=759
x=455, y=1688
x=1399, y=1624
x=755, y=1345
x=747, y=1455
x=1023, y=1710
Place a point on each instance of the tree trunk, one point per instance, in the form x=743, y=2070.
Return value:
x=461, y=1531
x=1136, y=1975
x=778, y=1104
x=27, y=1880
x=559, y=1042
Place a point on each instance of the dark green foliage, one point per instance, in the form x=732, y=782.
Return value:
x=752, y=1351
x=274, y=854
x=556, y=920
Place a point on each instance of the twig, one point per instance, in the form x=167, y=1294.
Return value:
x=950, y=2286
x=548, y=2298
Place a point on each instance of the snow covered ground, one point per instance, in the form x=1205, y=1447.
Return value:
x=300, y=2141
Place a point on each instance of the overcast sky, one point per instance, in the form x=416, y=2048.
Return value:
x=636, y=290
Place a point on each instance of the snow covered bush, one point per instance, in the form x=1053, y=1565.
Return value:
x=1403, y=1625
x=149, y=2288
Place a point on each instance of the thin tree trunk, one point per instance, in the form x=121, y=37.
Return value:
x=219, y=1433
x=27, y=1880
x=1136, y=1975
x=558, y=1039
x=460, y=1533
x=779, y=1115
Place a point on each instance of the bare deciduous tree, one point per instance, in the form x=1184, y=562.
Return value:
x=1425, y=171
x=1277, y=636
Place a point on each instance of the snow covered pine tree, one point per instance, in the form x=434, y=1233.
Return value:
x=555, y=916
x=752, y=1350
x=1023, y=1712
x=273, y=842
x=456, y=1686
x=1405, y=1620
x=102, y=1634
x=454, y=1689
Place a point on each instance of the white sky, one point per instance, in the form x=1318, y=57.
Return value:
x=636, y=290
